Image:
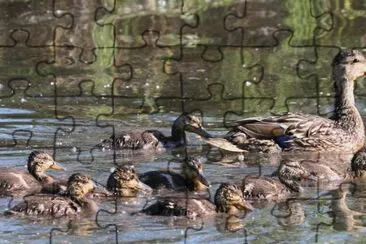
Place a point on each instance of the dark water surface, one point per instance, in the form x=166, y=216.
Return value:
x=138, y=65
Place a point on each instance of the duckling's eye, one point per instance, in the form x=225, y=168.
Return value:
x=355, y=61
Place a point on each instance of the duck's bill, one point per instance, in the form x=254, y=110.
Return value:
x=246, y=206
x=203, y=180
x=223, y=144
x=56, y=166
x=199, y=131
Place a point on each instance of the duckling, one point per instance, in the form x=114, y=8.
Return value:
x=344, y=131
x=190, y=179
x=358, y=164
x=72, y=203
x=154, y=139
x=124, y=182
x=278, y=186
x=228, y=199
x=17, y=182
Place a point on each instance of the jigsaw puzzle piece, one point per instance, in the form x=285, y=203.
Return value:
x=130, y=24
x=40, y=26
x=279, y=15
x=83, y=32
x=283, y=74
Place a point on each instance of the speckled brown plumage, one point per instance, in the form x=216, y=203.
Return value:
x=228, y=199
x=73, y=203
x=344, y=131
x=17, y=182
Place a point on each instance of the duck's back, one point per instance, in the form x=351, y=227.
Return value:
x=13, y=182
x=133, y=140
x=188, y=207
x=263, y=188
x=161, y=179
x=46, y=205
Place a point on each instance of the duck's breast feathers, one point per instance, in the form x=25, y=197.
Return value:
x=46, y=205
x=158, y=179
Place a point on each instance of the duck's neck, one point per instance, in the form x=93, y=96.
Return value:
x=178, y=132
x=42, y=177
x=346, y=113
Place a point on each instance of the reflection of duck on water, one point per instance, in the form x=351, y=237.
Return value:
x=303, y=132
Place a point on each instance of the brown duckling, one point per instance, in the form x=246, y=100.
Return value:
x=228, y=199
x=72, y=203
x=191, y=177
x=154, y=139
x=125, y=182
x=277, y=186
x=18, y=182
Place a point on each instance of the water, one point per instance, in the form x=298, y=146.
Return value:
x=138, y=86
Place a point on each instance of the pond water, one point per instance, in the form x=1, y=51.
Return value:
x=134, y=65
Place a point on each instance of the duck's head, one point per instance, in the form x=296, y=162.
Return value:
x=358, y=165
x=347, y=66
x=291, y=173
x=125, y=182
x=79, y=185
x=39, y=162
x=189, y=123
x=192, y=170
x=229, y=199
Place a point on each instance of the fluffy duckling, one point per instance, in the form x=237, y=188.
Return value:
x=272, y=187
x=125, y=182
x=17, y=182
x=228, y=199
x=191, y=177
x=72, y=203
x=154, y=139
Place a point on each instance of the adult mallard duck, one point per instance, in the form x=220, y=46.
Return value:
x=190, y=179
x=18, y=182
x=344, y=131
x=73, y=202
x=124, y=182
x=154, y=139
x=228, y=199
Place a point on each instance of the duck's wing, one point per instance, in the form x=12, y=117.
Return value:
x=132, y=140
x=12, y=183
x=46, y=205
x=163, y=179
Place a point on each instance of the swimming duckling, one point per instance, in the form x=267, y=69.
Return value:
x=124, y=182
x=17, y=182
x=73, y=203
x=277, y=186
x=228, y=199
x=154, y=139
x=191, y=178
x=344, y=131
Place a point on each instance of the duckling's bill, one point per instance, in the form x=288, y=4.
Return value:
x=57, y=166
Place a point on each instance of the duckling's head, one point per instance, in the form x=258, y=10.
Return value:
x=39, y=162
x=349, y=64
x=192, y=170
x=358, y=165
x=229, y=199
x=291, y=173
x=125, y=182
x=79, y=185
